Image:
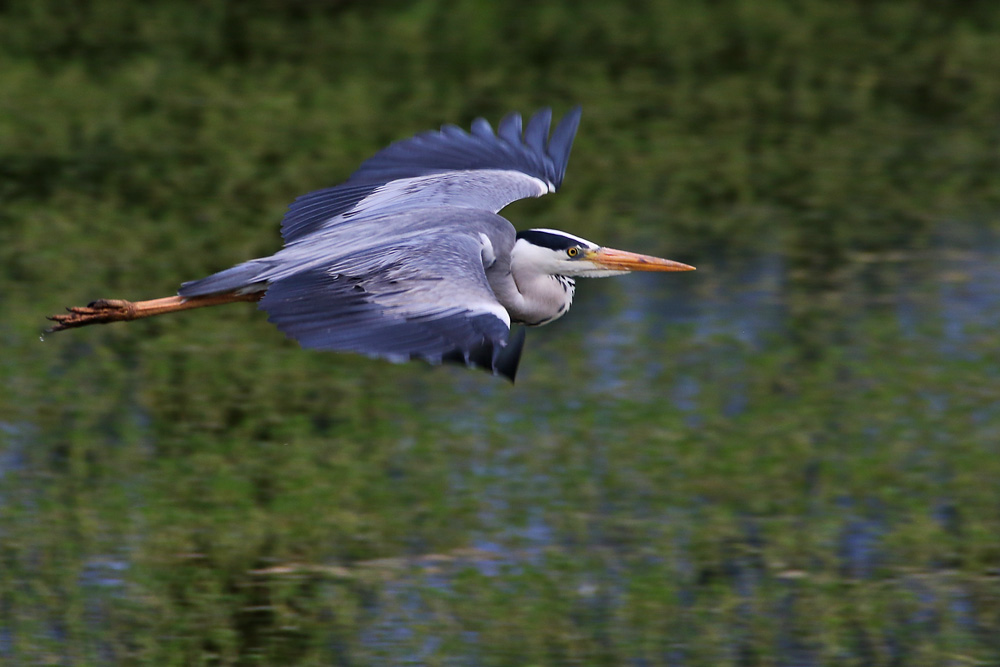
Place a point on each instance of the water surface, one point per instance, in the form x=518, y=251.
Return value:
x=677, y=478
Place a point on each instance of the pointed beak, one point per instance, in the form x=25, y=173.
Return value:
x=620, y=260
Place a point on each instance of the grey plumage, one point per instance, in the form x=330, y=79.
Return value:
x=439, y=167
x=407, y=258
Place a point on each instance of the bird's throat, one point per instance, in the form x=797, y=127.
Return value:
x=546, y=298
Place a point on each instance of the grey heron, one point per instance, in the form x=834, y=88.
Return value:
x=408, y=259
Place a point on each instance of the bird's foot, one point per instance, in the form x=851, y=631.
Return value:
x=101, y=311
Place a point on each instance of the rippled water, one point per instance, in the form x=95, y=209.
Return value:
x=733, y=310
x=552, y=507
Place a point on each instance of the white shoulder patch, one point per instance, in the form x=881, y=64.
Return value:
x=494, y=309
x=489, y=254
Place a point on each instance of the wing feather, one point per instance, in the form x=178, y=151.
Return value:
x=481, y=128
x=424, y=297
x=510, y=128
x=561, y=142
x=537, y=133
x=514, y=163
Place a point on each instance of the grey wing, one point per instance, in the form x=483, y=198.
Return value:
x=480, y=170
x=424, y=296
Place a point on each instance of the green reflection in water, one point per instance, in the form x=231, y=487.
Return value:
x=788, y=457
x=677, y=473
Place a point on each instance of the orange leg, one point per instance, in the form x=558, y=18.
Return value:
x=103, y=311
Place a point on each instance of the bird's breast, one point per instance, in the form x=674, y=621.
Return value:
x=550, y=303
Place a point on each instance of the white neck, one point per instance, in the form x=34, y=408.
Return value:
x=543, y=297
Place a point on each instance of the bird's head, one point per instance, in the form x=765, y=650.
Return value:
x=558, y=253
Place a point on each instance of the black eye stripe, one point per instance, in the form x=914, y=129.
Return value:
x=548, y=240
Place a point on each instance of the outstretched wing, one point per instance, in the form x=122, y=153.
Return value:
x=423, y=296
x=451, y=167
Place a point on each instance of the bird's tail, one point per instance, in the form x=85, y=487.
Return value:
x=104, y=311
x=242, y=277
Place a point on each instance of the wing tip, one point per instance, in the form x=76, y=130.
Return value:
x=496, y=357
x=507, y=359
x=561, y=142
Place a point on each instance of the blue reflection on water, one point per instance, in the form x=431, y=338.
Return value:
x=739, y=307
x=742, y=307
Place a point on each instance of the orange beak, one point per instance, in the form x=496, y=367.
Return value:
x=620, y=260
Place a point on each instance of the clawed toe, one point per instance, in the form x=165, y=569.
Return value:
x=101, y=311
x=109, y=304
x=104, y=311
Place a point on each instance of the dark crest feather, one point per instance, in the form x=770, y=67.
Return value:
x=546, y=239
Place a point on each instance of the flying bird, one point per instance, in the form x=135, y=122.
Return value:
x=408, y=259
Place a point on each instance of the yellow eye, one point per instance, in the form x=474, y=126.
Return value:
x=573, y=252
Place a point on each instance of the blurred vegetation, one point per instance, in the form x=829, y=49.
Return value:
x=197, y=490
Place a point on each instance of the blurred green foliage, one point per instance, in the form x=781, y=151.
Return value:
x=197, y=490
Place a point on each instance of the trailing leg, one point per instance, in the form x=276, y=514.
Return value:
x=104, y=311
